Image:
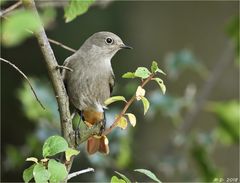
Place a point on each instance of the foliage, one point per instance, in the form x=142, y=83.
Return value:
x=227, y=114
x=148, y=173
x=176, y=63
x=146, y=76
x=76, y=8
x=124, y=179
x=201, y=157
x=14, y=29
x=233, y=31
x=22, y=23
x=49, y=169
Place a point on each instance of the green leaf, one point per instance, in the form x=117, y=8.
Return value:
x=142, y=72
x=14, y=29
x=114, y=99
x=145, y=104
x=128, y=75
x=40, y=174
x=76, y=8
x=71, y=152
x=123, y=177
x=161, y=84
x=28, y=173
x=154, y=67
x=228, y=117
x=2, y=2
x=114, y=179
x=57, y=170
x=148, y=173
x=54, y=145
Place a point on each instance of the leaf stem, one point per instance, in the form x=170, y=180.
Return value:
x=108, y=130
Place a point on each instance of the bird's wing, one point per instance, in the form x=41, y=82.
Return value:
x=111, y=82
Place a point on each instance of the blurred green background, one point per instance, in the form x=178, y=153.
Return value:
x=189, y=40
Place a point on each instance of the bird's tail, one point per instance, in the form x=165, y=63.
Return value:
x=98, y=143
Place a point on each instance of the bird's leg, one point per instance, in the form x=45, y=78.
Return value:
x=103, y=122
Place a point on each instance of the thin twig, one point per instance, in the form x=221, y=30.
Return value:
x=25, y=77
x=74, y=174
x=61, y=45
x=108, y=130
x=64, y=67
x=10, y=8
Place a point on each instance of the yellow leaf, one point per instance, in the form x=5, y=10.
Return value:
x=122, y=122
x=114, y=99
x=145, y=104
x=132, y=118
x=71, y=152
x=140, y=93
x=32, y=159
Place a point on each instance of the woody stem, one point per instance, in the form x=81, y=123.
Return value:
x=107, y=131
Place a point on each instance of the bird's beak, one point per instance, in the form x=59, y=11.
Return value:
x=123, y=46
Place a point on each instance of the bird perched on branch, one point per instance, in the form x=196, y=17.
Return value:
x=91, y=82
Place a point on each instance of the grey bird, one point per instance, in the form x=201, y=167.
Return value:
x=92, y=80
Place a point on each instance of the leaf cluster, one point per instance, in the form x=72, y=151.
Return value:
x=48, y=169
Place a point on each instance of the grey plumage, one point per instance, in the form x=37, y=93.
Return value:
x=90, y=83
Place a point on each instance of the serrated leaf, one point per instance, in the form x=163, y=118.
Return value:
x=132, y=118
x=40, y=174
x=161, y=84
x=114, y=99
x=122, y=122
x=71, y=152
x=142, y=72
x=28, y=173
x=154, y=67
x=54, y=145
x=114, y=179
x=14, y=29
x=128, y=75
x=57, y=170
x=76, y=8
x=148, y=173
x=140, y=93
x=145, y=104
x=32, y=159
x=123, y=177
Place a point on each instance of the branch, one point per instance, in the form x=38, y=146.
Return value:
x=56, y=80
x=107, y=131
x=74, y=174
x=25, y=77
x=62, y=45
x=7, y=10
x=64, y=67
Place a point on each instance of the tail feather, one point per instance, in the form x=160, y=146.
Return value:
x=95, y=144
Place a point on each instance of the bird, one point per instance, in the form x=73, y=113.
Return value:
x=91, y=82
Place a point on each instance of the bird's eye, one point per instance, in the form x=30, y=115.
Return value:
x=109, y=40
